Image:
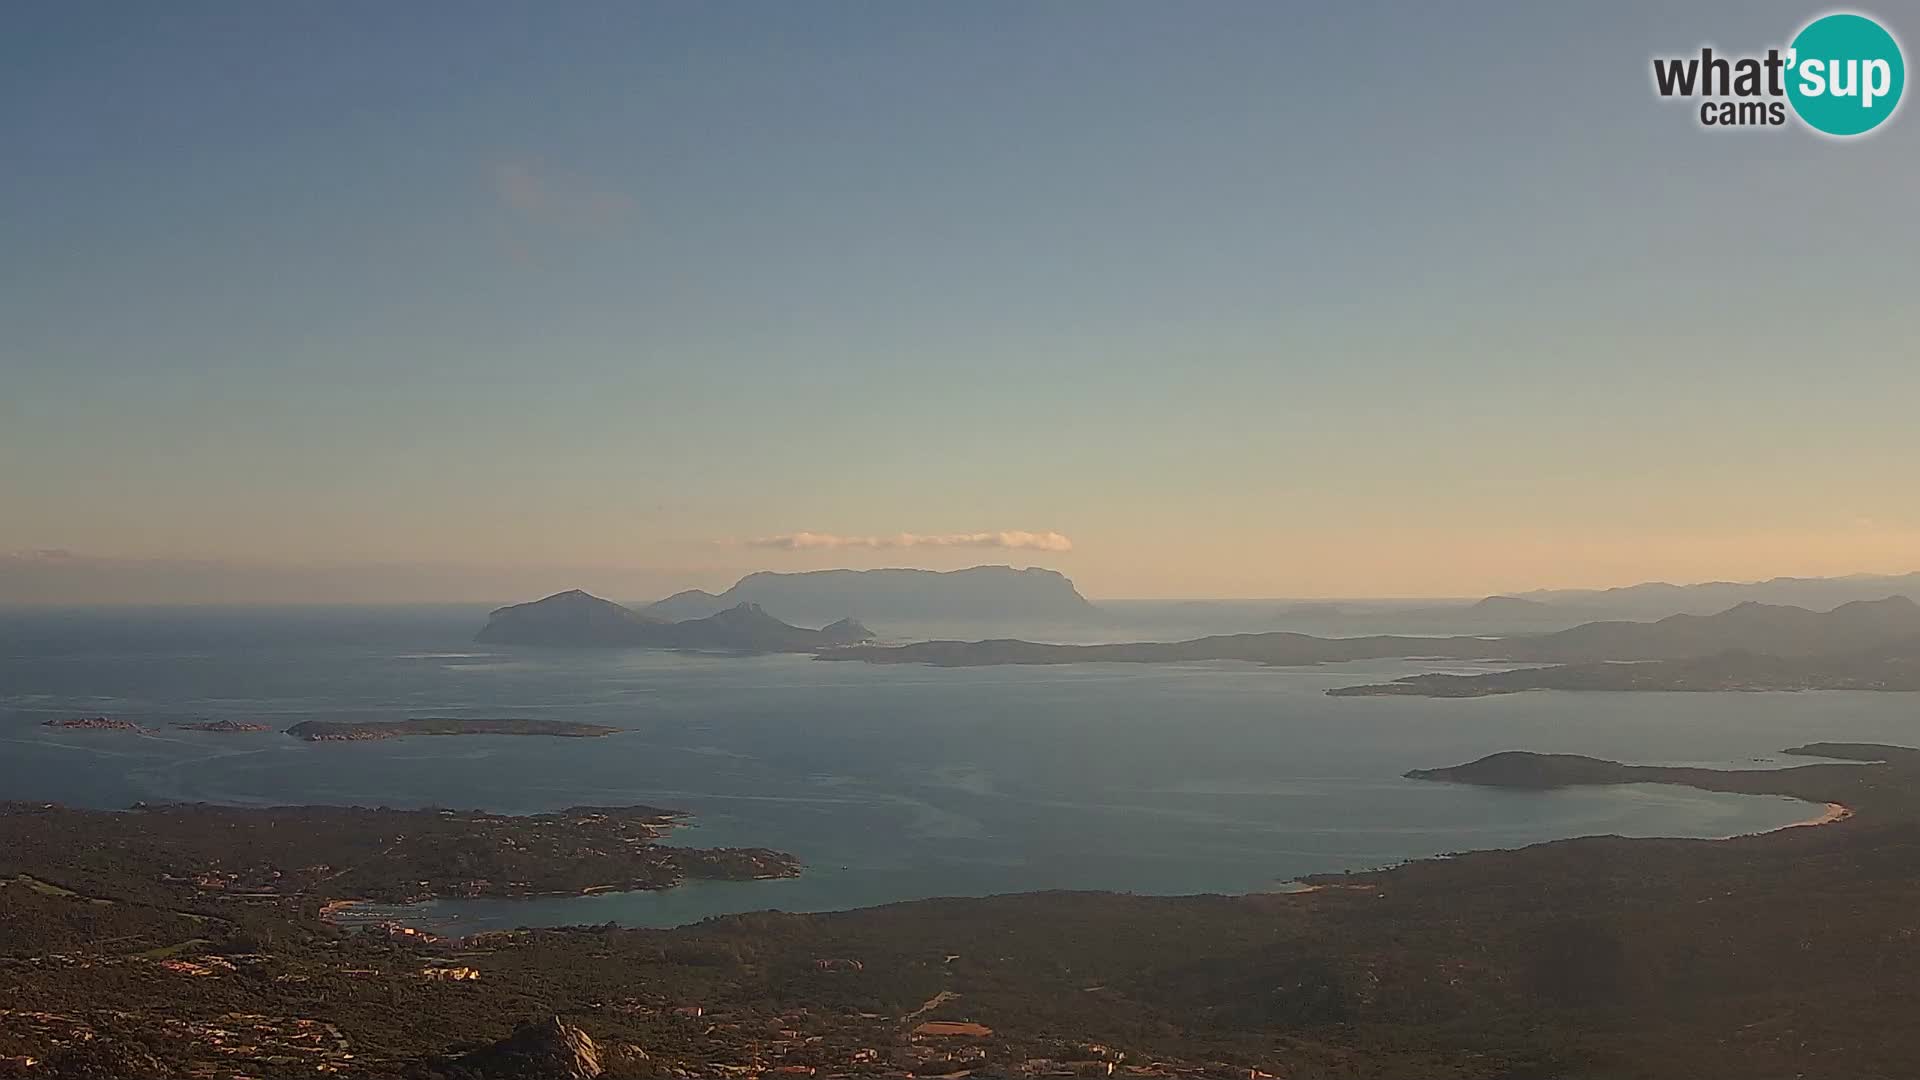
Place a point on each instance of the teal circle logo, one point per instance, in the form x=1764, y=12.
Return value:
x=1845, y=74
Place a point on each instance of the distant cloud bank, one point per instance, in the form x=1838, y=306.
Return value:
x=809, y=541
x=39, y=555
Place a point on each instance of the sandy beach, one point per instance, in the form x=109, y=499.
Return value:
x=1834, y=812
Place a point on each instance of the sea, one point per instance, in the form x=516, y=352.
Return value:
x=890, y=783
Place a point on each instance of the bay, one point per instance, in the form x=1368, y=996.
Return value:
x=890, y=783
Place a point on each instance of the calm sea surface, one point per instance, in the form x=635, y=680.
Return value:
x=891, y=783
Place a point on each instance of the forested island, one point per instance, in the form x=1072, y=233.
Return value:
x=364, y=730
x=1523, y=769
x=223, y=727
x=93, y=723
x=369, y=730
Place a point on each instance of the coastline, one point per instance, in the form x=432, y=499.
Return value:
x=1831, y=814
x=1349, y=882
x=1486, y=939
x=1834, y=814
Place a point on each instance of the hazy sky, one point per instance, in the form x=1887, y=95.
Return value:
x=1237, y=299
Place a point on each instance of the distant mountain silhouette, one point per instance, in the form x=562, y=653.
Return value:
x=1654, y=598
x=1754, y=628
x=573, y=617
x=578, y=619
x=1508, y=605
x=979, y=593
x=687, y=604
x=1772, y=629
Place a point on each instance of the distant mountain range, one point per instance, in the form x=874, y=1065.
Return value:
x=1773, y=629
x=1751, y=627
x=1535, y=612
x=577, y=619
x=1662, y=598
x=980, y=593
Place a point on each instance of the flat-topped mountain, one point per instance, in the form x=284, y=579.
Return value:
x=578, y=619
x=981, y=593
x=1752, y=628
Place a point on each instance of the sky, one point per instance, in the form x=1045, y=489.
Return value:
x=1184, y=300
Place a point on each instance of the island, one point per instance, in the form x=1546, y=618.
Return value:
x=1524, y=769
x=93, y=723
x=575, y=619
x=227, y=727
x=369, y=730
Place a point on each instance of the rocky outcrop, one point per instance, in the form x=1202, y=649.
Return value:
x=545, y=1050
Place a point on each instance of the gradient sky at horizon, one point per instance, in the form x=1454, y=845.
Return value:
x=1246, y=299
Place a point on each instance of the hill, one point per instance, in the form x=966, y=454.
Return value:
x=981, y=593
x=575, y=619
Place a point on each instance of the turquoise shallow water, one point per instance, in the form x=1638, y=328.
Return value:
x=891, y=783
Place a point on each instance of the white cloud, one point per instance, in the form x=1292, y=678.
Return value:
x=807, y=541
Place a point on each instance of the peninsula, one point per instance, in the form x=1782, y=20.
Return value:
x=1889, y=668
x=315, y=854
x=1817, y=783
